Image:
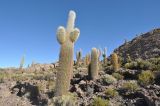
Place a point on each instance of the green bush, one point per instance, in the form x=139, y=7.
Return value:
x=110, y=92
x=146, y=78
x=3, y=76
x=130, y=86
x=155, y=63
x=131, y=65
x=108, y=79
x=65, y=100
x=117, y=76
x=139, y=64
x=150, y=64
x=100, y=102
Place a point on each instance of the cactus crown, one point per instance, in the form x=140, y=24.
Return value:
x=95, y=53
x=22, y=61
x=70, y=33
x=104, y=52
x=114, y=56
x=115, y=62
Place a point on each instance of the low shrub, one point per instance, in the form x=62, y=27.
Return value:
x=110, y=92
x=146, y=78
x=117, y=76
x=130, y=86
x=100, y=102
x=155, y=63
x=139, y=64
x=65, y=100
x=108, y=79
x=150, y=64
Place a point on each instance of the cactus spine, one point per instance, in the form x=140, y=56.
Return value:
x=115, y=63
x=66, y=37
x=93, y=70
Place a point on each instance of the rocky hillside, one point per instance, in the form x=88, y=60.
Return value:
x=144, y=46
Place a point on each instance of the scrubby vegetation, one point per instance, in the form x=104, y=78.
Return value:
x=146, y=78
x=65, y=100
x=111, y=92
x=108, y=79
x=89, y=81
x=139, y=64
x=117, y=76
x=100, y=102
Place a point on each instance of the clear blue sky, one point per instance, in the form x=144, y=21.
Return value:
x=29, y=26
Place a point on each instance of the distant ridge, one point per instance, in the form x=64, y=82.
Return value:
x=144, y=46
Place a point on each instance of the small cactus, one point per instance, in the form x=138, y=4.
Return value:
x=104, y=56
x=87, y=59
x=99, y=54
x=66, y=37
x=115, y=63
x=78, y=57
x=94, y=66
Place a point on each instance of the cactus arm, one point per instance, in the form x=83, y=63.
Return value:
x=74, y=35
x=71, y=20
x=61, y=35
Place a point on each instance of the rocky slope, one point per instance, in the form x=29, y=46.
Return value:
x=144, y=46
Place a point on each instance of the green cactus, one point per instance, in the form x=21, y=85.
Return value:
x=115, y=63
x=66, y=37
x=94, y=66
x=78, y=57
x=104, y=56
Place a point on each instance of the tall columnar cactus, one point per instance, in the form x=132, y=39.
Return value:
x=78, y=57
x=22, y=63
x=99, y=54
x=66, y=37
x=94, y=66
x=114, y=60
x=104, y=56
x=87, y=59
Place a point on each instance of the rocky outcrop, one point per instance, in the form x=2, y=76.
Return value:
x=42, y=67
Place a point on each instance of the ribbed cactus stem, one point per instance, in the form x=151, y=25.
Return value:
x=115, y=63
x=78, y=57
x=104, y=56
x=93, y=72
x=66, y=38
x=71, y=20
x=87, y=59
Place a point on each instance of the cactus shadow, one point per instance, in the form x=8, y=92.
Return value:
x=29, y=91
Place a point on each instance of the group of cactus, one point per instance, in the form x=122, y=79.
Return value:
x=66, y=38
